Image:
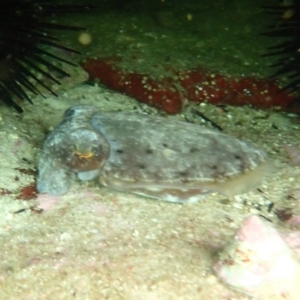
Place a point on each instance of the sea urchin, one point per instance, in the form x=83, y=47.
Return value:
x=24, y=38
x=287, y=27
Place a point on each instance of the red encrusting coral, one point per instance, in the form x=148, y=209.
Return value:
x=198, y=85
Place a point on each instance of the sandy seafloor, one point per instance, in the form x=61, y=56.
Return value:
x=94, y=243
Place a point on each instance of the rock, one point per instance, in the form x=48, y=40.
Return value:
x=259, y=263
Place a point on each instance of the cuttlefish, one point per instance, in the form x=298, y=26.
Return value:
x=147, y=155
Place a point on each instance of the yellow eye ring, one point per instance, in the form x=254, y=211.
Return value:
x=84, y=155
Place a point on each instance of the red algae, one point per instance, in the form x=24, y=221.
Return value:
x=28, y=192
x=198, y=85
x=162, y=95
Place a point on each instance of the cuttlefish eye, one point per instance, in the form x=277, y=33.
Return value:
x=84, y=150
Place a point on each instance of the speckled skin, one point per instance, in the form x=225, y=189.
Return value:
x=152, y=156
